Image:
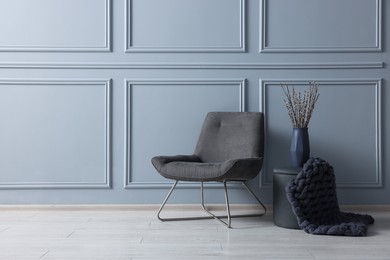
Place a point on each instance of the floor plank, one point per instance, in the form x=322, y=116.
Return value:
x=129, y=233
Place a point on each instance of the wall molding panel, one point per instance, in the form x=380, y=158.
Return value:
x=177, y=37
x=44, y=160
x=372, y=177
x=192, y=65
x=334, y=38
x=130, y=183
x=55, y=26
x=91, y=90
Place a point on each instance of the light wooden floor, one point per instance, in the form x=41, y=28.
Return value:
x=135, y=233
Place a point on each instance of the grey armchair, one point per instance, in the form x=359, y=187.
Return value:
x=230, y=148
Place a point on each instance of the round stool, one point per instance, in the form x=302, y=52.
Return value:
x=282, y=212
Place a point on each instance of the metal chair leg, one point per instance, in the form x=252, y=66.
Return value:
x=256, y=198
x=228, y=215
x=211, y=215
x=175, y=219
x=165, y=201
x=227, y=205
x=219, y=218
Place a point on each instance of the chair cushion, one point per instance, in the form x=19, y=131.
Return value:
x=191, y=168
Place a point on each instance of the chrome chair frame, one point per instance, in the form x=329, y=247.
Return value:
x=211, y=215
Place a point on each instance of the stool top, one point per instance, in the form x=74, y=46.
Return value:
x=290, y=170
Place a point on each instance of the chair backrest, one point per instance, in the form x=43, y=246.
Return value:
x=231, y=135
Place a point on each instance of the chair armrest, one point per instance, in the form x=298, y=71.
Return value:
x=242, y=169
x=159, y=161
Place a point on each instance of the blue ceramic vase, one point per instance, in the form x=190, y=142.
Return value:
x=300, y=147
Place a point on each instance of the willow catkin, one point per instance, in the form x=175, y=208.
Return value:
x=300, y=106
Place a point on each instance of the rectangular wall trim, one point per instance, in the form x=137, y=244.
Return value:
x=169, y=46
x=61, y=26
x=129, y=183
x=49, y=84
x=376, y=84
x=376, y=45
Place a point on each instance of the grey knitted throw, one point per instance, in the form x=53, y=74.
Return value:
x=312, y=195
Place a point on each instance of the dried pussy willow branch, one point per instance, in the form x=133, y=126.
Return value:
x=300, y=106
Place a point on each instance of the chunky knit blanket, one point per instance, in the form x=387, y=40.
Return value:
x=313, y=198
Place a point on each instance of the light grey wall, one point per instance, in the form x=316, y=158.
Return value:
x=90, y=90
